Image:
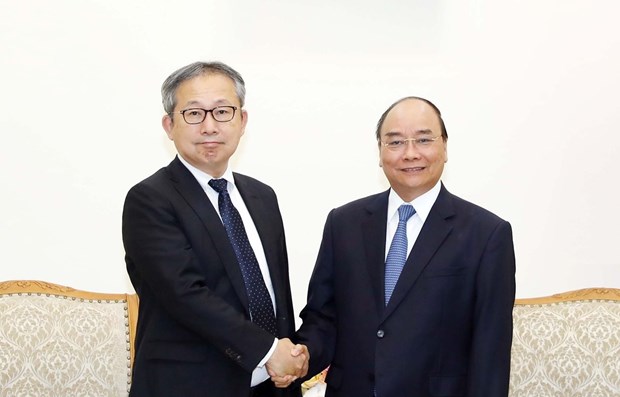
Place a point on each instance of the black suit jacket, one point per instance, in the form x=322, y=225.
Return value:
x=194, y=336
x=447, y=329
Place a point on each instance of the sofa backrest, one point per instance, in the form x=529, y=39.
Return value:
x=59, y=341
x=567, y=345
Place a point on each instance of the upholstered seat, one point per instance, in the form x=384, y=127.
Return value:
x=567, y=345
x=58, y=341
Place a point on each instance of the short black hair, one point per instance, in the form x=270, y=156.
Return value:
x=444, y=132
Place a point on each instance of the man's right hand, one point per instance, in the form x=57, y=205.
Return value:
x=287, y=363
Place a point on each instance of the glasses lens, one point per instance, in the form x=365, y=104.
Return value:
x=395, y=144
x=194, y=116
x=223, y=113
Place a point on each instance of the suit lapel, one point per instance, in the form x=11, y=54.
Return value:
x=189, y=188
x=373, y=230
x=263, y=220
x=435, y=230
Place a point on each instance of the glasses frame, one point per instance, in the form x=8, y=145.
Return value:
x=207, y=111
x=414, y=141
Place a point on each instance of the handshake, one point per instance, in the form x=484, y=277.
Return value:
x=287, y=363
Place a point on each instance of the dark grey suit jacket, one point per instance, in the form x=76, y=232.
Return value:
x=194, y=335
x=447, y=329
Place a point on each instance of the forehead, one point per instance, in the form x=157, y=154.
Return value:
x=411, y=116
x=207, y=89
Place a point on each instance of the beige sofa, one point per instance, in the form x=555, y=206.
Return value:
x=564, y=345
x=567, y=345
x=58, y=341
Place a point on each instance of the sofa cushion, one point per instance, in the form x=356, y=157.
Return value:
x=567, y=345
x=55, y=343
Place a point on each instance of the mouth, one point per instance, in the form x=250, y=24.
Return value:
x=413, y=169
x=210, y=144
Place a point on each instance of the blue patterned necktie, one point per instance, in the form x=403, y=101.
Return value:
x=397, y=255
x=261, y=307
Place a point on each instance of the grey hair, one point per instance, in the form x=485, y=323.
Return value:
x=171, y=84
x=444, y=132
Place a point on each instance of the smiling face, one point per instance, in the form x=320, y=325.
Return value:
x=412, y=170
x=209, y=145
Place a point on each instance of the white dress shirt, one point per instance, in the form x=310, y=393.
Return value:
x=259, y=374
x=422, y=206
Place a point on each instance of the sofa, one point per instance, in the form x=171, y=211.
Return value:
x=567, y=345
x=564, y=345
x=59, y=341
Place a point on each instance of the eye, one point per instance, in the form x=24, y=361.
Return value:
x=396, y=143
x=194, y=112
x=223, y=111
x=424, y=141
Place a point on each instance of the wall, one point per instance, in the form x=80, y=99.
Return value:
x=528, y=90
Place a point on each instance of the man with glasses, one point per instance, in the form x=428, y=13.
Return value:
x=413, y=288
x=206, y=253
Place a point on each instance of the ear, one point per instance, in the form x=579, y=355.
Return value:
x=445, y=152
x=167, y=123
x=244, y=120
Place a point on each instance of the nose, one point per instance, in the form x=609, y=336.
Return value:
x=411, y=151
x=209, y=126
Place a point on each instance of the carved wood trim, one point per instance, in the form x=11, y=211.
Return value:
x=585, y=294
x=46, y=288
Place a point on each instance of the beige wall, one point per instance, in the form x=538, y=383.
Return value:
x=529, y=91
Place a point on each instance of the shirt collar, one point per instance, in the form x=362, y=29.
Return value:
x=422, y=204
x=203, y=178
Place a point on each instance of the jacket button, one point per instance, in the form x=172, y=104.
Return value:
x=380, y=334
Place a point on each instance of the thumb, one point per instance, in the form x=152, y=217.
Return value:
x=297, y=350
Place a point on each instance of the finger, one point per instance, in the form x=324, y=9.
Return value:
x=282, y=385
x=297, y=350
x=283, y=379
x=302, y=366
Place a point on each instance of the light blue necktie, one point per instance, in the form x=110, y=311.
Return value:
x=397, y=255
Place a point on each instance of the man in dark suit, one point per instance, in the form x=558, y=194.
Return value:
x=413, y=288
x=206, y=253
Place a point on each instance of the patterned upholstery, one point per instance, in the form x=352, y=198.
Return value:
x=58, y=341
x=565, y=345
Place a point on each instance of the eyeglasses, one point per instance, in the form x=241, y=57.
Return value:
x=398, y=144
x=198, y=115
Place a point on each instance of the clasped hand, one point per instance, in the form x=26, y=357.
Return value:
x=288, y=363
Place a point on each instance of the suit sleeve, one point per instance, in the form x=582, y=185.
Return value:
x=492, y=334
x=318, y=330
x=161, y=255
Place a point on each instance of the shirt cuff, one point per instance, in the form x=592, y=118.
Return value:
x=259, y=375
